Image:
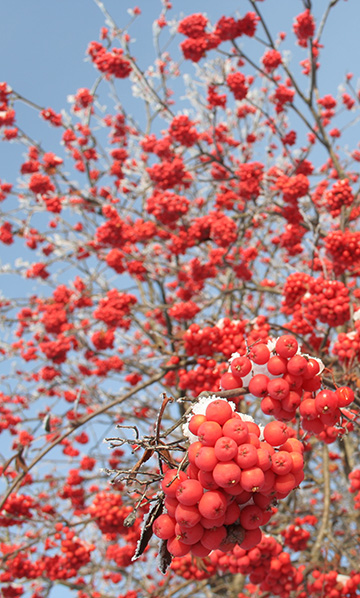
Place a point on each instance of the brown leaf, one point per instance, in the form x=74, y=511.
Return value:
x=165, y=557
x=147, y=531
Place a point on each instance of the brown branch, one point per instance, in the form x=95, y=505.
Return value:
x=324, y=527
x=80, y=422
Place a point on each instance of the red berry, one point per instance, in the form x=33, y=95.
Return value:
x=259, y=354
x=227, y=474
x=252, y=538
x=195, y=422
x=278, y=388
x=270, y=406
x=326, y=401
x=206, y=458
x=258, y=385
x=209, y=432
x=247, y=456
x=164, y=526
x=345, y=396
x=189, y=492
x=170, y=505
x=225, y=448
x=199, y=550
x=251, y=517
x=264, y=459
x=253, y=428
x=171, y=481
x=308, y=409
x=281, y=463
x=212, y=538
x=252, y=480
x=297, y=365
x=241, y=366
x=232, y=513
x=291, y=402
x=207, y=481
x=187, y=516
x=229, y=382
x=236, y=429
x=212, y=504
x=286, y=346
x=311, y=384
x=210, y=523
x=193, y=451
x=313, y=368
x=219, y=411
x=189, y=535
x=285, y=483
x=276, y=433
x=176, y=547
x=277, y=365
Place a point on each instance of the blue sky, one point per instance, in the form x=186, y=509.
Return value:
x=43, y=43
x=43, y=46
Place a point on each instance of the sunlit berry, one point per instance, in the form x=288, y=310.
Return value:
x=218, y=411
x=258, y=385
x=286, y=346
x=226, y=448
x=345, y=396
x=241, y=366
x=230, y=382
x=259, y=353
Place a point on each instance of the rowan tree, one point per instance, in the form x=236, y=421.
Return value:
x=186, y=289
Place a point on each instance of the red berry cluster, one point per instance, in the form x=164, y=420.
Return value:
x=328, y=301
x=189, y=568
x=231, y=480
x=109, y=513
x=295, y=536
x=321, y=414
x=340, y=195
x=266, y=564
x=277, y=375
x=226, y=337
x=343, y=248
x=347, y=345
x=354, y=477
x=332, y=584
x=294, y=289
x=205, y=376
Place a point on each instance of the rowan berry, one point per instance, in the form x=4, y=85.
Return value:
x=219, y=411
x=171, y=481
x=227, y=474
x=252, y=479
x=164, y=526
x=225, y=448
x=206, y=459
x=276, y=433
x=212, y=504
x=251, y=517
x=236, y=429
x=258, y=385
x=209, y=432
x=259, y=354
x=345, y=396
x=229, y=382
x=247, y=456
x=286, y=346
x=241, y=366
x=189, y=492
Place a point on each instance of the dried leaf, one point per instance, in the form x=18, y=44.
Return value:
x=165, y=557
x=147, y=531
